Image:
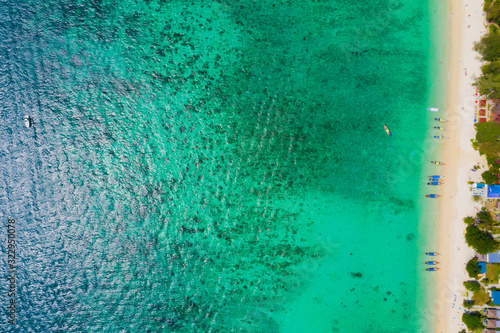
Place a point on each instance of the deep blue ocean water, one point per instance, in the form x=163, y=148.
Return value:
x=214, y=166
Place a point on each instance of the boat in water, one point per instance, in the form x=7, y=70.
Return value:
x=439, y=128
x=433, y=109
x=27, y=121
x=438, y=137
x=432, y=195
x=432, y=263
x=441, y=120
x=434, y=183
x=435, y=177
x=387, y=130
x=432, y=269
x=437, y=163
x=432, y=253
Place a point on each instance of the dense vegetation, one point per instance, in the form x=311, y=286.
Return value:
x=492, y=11
x=468, y=304
x=481, y=241
x=488, y=143
x=473, y=286
x=489, y=177
x=473, y=320
x=489, y=48
x=469, y=220
x=489, y=82
x=488, y=140
x=473, y=268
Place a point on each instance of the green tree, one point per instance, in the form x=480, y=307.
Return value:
x=488, y=84
x=485, y=219
x=490, y=148
x=491, y=67
x=468, y=303
x=489, y=177
x=493, y=12
x=480, y=240
x=473, y=268
x=493, y=164
x=469, y=220
x=488, y=47
x=473, y=286
x=473, y=320
x=486, y=132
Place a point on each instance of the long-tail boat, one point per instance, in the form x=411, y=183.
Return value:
x=387, y=130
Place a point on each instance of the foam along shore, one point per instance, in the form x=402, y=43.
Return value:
x=467, y=27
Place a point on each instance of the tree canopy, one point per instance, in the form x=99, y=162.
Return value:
x=488, y=47
x=480, y=240
x=485, y=217
x=488, y=140
x=489, y=177
x=473, y=320
x=473, y=268
x=494, y=166
x=486, y=132
x=473, y=286
x=492, y=11
x=469, y=220
x=489, y=84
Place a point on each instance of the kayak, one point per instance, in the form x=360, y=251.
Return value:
x=434, y=183
x=439, y=128
x=387, y=130
x=441, y=120
x=433, y=109
x=432, y=253
x=431, y=263
x=432, y=195
x=432, y=269
x=437, y=163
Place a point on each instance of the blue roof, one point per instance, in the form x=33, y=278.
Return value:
x=496, y=297
x=493, y=257
x=482, y=265
x=494, y=191
x=480, y=185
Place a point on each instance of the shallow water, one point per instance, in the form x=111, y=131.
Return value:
x=214, y=166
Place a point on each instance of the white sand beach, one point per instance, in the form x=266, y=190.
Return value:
x=467, y=26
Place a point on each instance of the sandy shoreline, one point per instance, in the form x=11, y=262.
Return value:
x=456, y=201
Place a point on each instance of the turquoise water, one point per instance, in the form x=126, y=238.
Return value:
x=216, y=166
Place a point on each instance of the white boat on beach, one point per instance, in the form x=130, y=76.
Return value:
x=433, y=109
